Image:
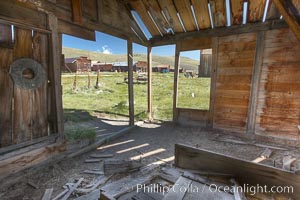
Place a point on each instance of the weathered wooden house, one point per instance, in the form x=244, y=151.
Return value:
x=103, y=67
x=205, y=63
x=161, y=68
x=120, y=66
x=140, y=66
x=255, y=75
x=80, y=64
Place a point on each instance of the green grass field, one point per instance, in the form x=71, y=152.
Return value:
x=112, y=95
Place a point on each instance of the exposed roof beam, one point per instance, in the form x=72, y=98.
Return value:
x=77, y=11
x=219, y=31
x=290, y=19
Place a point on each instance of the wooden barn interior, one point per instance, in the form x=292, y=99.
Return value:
x=254, y=96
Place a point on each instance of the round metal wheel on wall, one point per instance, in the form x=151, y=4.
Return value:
x=27, y=73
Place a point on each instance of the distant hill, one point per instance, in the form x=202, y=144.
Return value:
x=185, y=62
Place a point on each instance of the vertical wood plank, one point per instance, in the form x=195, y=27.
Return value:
x=213, y=81
x=5, y=36
x=201, y=10
x=237, y=11
x=6, y=88
x=256, y=10
x=256, y=76
x=171, y=14
x=55, y=75
x=39, y=98
x=23, y=104
x=175, y=87
x=184, y=9
x=77, y=11
x=99, y=10
x=149, y=67
x=130, y=82
x=219, y=12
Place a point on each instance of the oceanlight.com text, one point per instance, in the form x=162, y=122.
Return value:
x=249, y=189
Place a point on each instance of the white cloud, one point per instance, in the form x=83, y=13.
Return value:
x=106, y=50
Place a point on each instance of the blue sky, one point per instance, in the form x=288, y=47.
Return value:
x=112, y=45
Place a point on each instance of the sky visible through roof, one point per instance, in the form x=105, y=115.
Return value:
x=112, y=45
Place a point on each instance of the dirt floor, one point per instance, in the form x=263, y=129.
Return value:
x=150, y=142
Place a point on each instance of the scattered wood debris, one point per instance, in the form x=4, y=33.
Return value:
x=127, y=184
x=120, y=166
x=67, y=195
x=48, y=193
x=99, y=182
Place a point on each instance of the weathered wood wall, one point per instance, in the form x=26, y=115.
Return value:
x=270, y=94
x=192, y=117
x=205, y=63
x=278, y=110
x=234, y=72
x=24, y=112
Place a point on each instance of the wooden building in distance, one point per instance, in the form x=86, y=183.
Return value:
x=140, y=66
x=79, y=64
x=103, y=67
x=205, y=63
x=161, y=68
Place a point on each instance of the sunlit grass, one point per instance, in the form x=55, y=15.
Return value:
x=112, y=95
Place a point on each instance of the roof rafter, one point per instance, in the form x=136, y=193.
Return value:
x=218, y=32
x=289, y=17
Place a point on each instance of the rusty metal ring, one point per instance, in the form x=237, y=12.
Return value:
x=27, y=73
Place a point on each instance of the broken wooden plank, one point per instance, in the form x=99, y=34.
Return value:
x=120, y=166
x=245, y=172
x=61, y=194
x=101, y=155
x=93, y=172
x=266, y=153
x=92, y=160
x=67, y=195
x=129, y=183
x=94, y=195
x=287, y=161
x=263, y=156
x=238, y=194
x=35, y=186
x=182, y=182
x=48, y=193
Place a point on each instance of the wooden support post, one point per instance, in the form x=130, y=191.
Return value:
x=130, y=82
x=55, y=75
x=288, y=17
x=256, y=76
x=149, y=67
x=76, y=11
x=175, y=87
x=213, y=81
